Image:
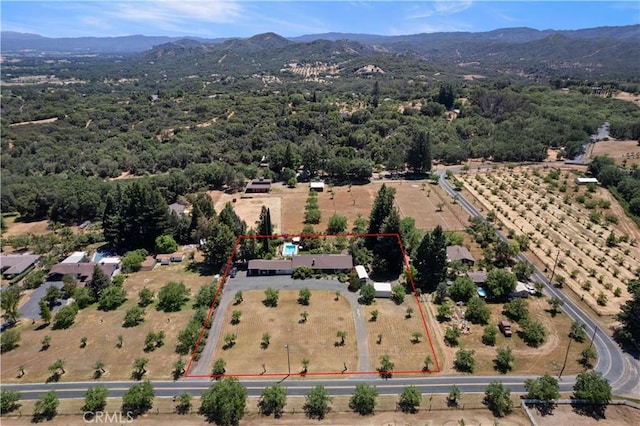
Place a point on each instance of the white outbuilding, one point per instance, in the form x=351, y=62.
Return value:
x=382, y=289
x=586, y=180
x=362, y=273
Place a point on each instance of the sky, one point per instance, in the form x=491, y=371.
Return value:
x=214, y=19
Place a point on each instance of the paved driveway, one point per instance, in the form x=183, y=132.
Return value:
x=281, y=282
x=31, y=309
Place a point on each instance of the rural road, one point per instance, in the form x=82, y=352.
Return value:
x=620, y=368
x=280, y=282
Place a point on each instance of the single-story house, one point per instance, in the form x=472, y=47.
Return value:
x=461, y=254
x=586, y=180
x=316, y=186
x=363, y=276
x=177, y=208
x=177, y=257
x=163, y=259
x=521, y=291
x=269, y=267
x=260, y=185
x=382, y=289
x=479, y=278
x=330, y=263
x=15, y=264
x=82, y=271
x=76, y=257
x=148, y=264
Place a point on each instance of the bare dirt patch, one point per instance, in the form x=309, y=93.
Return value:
x=17, y=227
x=314, y=339
x=396, y=330
x=248, y=207
x=44, y=121
x=102, y=329
x=564, y=415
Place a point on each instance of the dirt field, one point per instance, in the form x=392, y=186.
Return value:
x=20, y=228
x=547, y=358
x=433, y=411
x=397, y=332
x=287, y=205
x=564, y=415
x=102, y=329
x=314, y=339
x=625, y=153
x=560, y=228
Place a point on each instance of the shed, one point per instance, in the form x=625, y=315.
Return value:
x=586, y=180
x=260, y=185
x=363, y=276
x=382, y=289
x=148, y=264
x=177, y=257
x=316, y=186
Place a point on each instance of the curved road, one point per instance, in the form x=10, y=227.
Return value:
x=620, y=368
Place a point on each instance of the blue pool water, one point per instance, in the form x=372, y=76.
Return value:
x=98, y=256
x=289, y=249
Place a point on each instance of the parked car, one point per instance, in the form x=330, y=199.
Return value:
x=233, y=272
x=505, y=327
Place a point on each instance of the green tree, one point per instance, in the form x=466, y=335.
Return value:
x=219, y=245
x=305, y=365
x=629, y=314
x=445, y=311
x=46, y=343
x=153, y=340
x=271, y=297
x=316, y=402
x=497, y=397
x=172, y=296
x=45, y=312
x=238, y=297
x=46, y=407
x=451, y=336
x=545, y=389
x=501, y=283
x=98, y=369
x=99, y=282
x=65, y=317
x=504, y=360
x=9, y=400
x=95, y=399
x=266, y=339
x=416, y=336
x=554, y=305
x=304, y=295
x=138, y=399
x=178, y=368
x=265, y=229
x=533, y=333
x=374, y=315
x=219, y=367
x=111, y=298
x=517, y=310
x=523, y=270
x=462, y=289
x=577, y=332
x=133, y=317
x=184, y=404
x=431, y=260
x=341, y=334
x=9, y=303
x=367, y=294
x=386, y=367
x=398, y=294
x=364, y=399
x=223, y=403
x=382, y=207
x=273, y=400
x=166, y=244
x=410, y=399
x=337, y=225
x=489, y=335
x=593, y=387
x=419, y=154
x=387, y=254
x=465, y=361
x=427, y=360
x=454, y=396
x=139, y=368
x=52, y=295
x=587, y=356
x=145, y=297
x=235, y=317
x=477, y=311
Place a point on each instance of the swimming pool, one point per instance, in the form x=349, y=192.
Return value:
x=289, y=249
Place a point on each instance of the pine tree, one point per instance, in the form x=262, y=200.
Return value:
x=387, y=253
x=111, y=222
x=382, y=207
x=419, y=153
x=431, y=260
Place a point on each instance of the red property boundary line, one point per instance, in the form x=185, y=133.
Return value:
x=223, y=280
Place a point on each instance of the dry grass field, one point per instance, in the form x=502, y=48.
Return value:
x=417, y=199
x=101, y=330
x=624, y=152
x=314, y=339
x=614, y=415
x=567, y=222
x=396, y=330
x=549, y=357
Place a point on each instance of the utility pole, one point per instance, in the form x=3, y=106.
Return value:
x=566, y=356
x=553, y=271
x=593, y=337
x=288, y=358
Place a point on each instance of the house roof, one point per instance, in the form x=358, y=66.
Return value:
x=316, y=185
x=84, y=269
x=13, y=264
x=478, y=277
x=269, y=265
x=459, y=253
x=148, y=261
x=75, y=257
x=259, y=183
x=323, y=261
x=382, y=286
x=361, y=271
x=177, y=208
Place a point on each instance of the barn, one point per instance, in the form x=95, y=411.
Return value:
x=382, y=289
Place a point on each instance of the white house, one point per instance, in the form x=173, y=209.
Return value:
x=586, y=180
x=382, y=289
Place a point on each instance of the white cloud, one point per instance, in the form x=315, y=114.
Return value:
x=439, y=8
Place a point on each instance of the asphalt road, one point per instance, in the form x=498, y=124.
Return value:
x=619, y=367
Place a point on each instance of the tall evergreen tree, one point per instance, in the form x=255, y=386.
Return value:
x=387, y=253
x=111, y=222
x=431, y=260
x=265, y=228
x=99, y=281
x=419, y=153
x=219, y=245
x=229, y=217
x=382, y=207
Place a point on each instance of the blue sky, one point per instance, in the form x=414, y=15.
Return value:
x=211, y=19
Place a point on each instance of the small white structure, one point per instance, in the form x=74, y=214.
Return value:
x=382, y=289
x=586, y=180
x=362, y=273
x=316, y=186
x=76, y=257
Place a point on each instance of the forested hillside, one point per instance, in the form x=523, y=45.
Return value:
x=196, y=116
